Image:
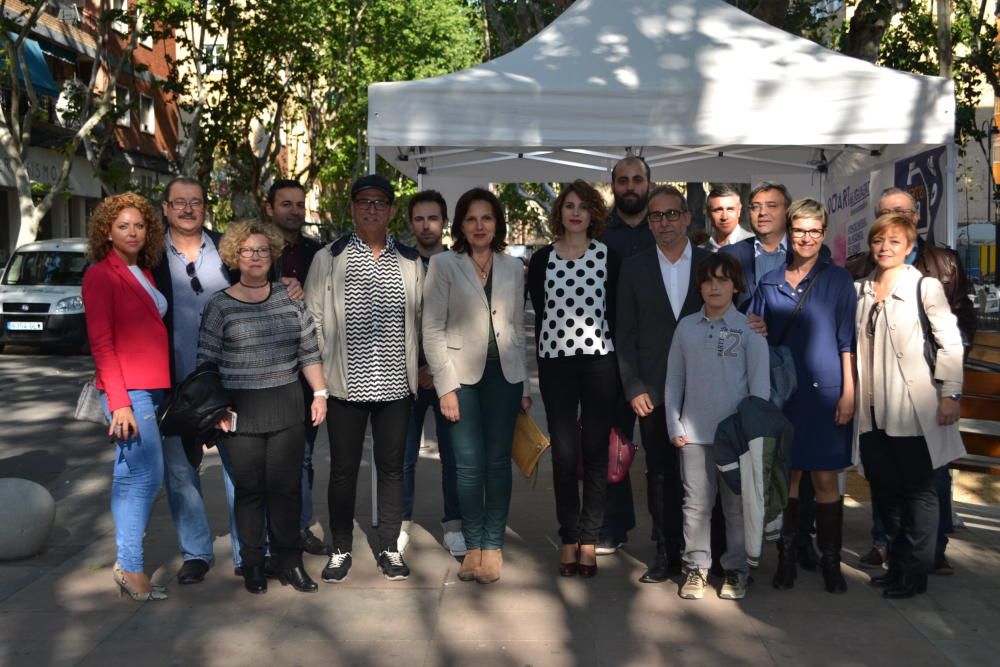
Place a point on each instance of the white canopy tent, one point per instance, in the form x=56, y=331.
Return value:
x=703, y=90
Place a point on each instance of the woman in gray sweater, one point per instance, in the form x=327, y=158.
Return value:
x=261, y=338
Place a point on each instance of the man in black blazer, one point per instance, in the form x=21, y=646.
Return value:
x=656, y=289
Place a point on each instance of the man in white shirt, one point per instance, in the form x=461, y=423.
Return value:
x=724, y=208
x=645, y=323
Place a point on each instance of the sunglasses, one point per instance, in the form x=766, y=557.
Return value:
x=193, y=275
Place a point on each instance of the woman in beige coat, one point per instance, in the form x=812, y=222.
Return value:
x=907, y=414
x=474, y=342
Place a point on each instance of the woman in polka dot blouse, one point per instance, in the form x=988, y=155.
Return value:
x=572, y=284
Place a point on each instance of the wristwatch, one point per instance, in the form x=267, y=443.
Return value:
x=322, y=393
x=955, y=397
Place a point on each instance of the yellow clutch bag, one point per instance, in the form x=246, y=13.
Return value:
x=529, y=443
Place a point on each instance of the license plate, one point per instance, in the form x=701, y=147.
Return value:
x=24, y=326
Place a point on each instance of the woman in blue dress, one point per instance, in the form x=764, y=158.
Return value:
x=821, y=340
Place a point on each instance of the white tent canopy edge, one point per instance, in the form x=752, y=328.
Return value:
x=703, y=90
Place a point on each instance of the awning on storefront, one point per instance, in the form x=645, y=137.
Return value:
x=38, y=69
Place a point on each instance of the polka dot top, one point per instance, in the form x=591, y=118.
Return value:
x=575, y=305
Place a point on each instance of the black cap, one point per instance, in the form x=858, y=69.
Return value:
x=373, y=182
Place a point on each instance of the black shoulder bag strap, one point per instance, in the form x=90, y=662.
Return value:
x=802, y=301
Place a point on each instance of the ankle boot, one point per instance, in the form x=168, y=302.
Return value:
x=784, y=576
x=829, y=527
x=489, y=571
x=470, y=565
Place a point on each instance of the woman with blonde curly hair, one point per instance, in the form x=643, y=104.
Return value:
x=572, y=284
x=261, y=338
x=129, y=343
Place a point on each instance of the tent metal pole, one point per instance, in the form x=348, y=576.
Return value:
x=951, y=189
x=372, y=156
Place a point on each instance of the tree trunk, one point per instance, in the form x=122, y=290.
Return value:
x=868, y=25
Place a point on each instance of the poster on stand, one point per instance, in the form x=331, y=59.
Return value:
x=923, y=175
x=849, y=209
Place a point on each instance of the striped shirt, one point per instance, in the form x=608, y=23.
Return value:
x=375, y=323
x=258, y=345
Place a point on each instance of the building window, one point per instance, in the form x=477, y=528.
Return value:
x=118, y=24
x=122, y=106
x=213, y=57
x=147, y=115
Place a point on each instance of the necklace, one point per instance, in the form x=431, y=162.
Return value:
x=253, y=286
x=484, y=267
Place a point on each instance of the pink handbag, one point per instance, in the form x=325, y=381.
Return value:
x=621, y=453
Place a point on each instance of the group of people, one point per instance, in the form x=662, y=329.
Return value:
x=632, y=323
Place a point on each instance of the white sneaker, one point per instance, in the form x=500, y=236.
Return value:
x=694, y=585
x=454, y=540
x=403, y=540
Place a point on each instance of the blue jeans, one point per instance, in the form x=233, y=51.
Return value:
x=187, y=506
x=482, y=439
x=427, y=398
x=136, y=477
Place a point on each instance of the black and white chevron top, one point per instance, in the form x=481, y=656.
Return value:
x=258, y=345
x=375, y=319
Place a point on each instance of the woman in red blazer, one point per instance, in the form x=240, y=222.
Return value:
x=129, y=343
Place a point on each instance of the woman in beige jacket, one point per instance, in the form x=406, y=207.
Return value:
x=907, y=414
x=474, y=343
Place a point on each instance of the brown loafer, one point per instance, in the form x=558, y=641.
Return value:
x=489, y=571
x=470, y=565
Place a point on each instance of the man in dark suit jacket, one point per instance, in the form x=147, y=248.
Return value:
x=656, y=289
x=768, y=248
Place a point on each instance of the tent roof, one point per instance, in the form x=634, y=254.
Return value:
x=685, y=79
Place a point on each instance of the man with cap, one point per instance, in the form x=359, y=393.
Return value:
x=364, y=291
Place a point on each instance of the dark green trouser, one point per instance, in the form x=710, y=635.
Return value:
x=481, y=440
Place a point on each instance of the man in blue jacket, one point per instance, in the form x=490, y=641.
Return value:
x=767, y=249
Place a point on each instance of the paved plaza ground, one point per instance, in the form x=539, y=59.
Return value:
x=61, y=607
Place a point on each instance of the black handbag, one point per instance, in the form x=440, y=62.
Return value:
x=193, y=410
x=930, y=343
x=782, y=365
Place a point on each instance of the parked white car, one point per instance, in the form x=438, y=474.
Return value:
x=40, y=301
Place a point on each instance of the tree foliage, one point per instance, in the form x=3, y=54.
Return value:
x=86, y=111
x=292, y=80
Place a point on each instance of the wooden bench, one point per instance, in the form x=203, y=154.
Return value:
x=980, y=422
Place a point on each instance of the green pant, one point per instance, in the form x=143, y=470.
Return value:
x=481, y=440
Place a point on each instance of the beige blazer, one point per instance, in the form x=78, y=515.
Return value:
x=908, y=404
x=456, y=320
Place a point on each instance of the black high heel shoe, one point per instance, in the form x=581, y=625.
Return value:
x=298, y=578
x=254, y=580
